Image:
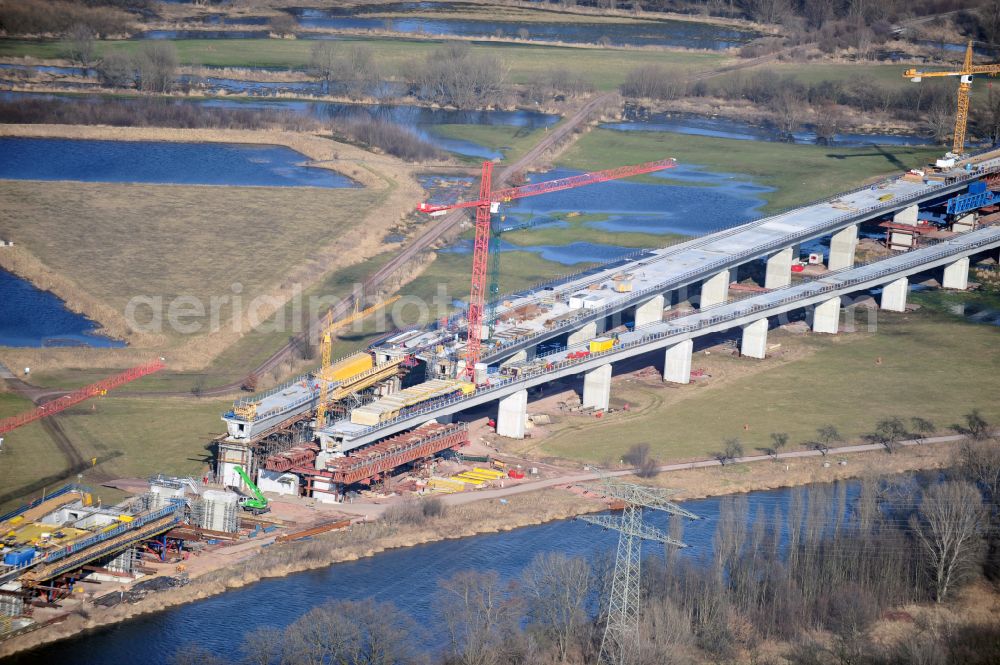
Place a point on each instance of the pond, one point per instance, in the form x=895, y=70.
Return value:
x=407, y=577
x=31, y=317
x=161, y=162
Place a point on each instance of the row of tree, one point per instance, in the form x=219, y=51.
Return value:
x=833, y=559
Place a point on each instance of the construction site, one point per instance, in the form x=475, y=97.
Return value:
x=394, y=420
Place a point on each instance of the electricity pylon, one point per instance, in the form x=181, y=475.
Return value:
x=621, y=633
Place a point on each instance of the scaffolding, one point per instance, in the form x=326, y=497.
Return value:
x=216, y=511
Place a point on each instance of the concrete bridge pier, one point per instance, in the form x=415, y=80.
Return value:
x=650, y=311
x=581, y=335
x=677, y=362
x=965, y=222
x=826, y=316
x=754, y=344
x=779, y=269
x=597, y=388
x=714, y=290
x=956, y=275
x=894, y=295
x=842, y=247
x=512, y=415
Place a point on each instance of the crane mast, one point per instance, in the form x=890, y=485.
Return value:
x=326, y=352
x=965, y=75
x=488, y=203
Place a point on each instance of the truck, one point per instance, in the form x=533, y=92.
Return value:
x=256, y=504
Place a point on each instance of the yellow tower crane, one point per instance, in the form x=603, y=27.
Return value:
x=326, y=351
x=964, y=86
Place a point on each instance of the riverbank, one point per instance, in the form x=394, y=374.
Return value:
x=480, y=516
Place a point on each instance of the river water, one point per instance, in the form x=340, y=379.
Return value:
x=161, y=162
x=725, y=128
x=685, y=200
x=407, y=577
x=687, y=34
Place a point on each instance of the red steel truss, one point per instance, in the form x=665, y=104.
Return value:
x=393, y=452
x=77, y=396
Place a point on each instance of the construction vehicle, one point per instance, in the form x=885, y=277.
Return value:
x=964, y=87
x=256, y=504
x=480, y=310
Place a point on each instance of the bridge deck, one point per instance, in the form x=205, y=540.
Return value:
x=662, y=334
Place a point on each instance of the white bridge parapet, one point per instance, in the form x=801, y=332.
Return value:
x=670, y=334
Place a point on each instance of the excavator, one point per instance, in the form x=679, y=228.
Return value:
x=256, y=504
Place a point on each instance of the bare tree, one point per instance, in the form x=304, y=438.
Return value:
x=456, y=76
x=283, y=24
x=481, y=617
x=788, y=112
x=262, y=645
x=826, y=435
x=350, y=633
x=82, y=44
x=940, y=120
x=556, y=587
x=778, y=441
x=117, y=70
x=324, y=61
x=977, y=427
x=922, y=427
x=828, y=123
x=889, y=432
x=732, y=448
x=948, y=528
x=157, y=66
x=638, y=456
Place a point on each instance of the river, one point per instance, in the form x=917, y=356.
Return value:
x=648, y=32
x=407, y=577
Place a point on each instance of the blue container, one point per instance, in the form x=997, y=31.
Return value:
x=19, y=557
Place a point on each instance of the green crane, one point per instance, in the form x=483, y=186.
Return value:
x=256, y=504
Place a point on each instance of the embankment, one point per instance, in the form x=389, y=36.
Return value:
x=485, y=516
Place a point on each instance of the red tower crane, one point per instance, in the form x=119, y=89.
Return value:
x=488, y=202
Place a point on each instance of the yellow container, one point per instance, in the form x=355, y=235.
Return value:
x=350, y=366
x=125, y=518
x=599, y=344
x=492, y=473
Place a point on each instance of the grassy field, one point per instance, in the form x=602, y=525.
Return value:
x=604, y=68
x=28, y=454
x=798, y=173
x=578, y=229
x=930, y=366
x=131, y=437
x=118, y=241
x=511, y=141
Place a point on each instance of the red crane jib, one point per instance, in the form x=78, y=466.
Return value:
x=481, y=244
x=534, y=189
x=77, y=396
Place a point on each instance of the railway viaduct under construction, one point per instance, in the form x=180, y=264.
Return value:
x=654, y=301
